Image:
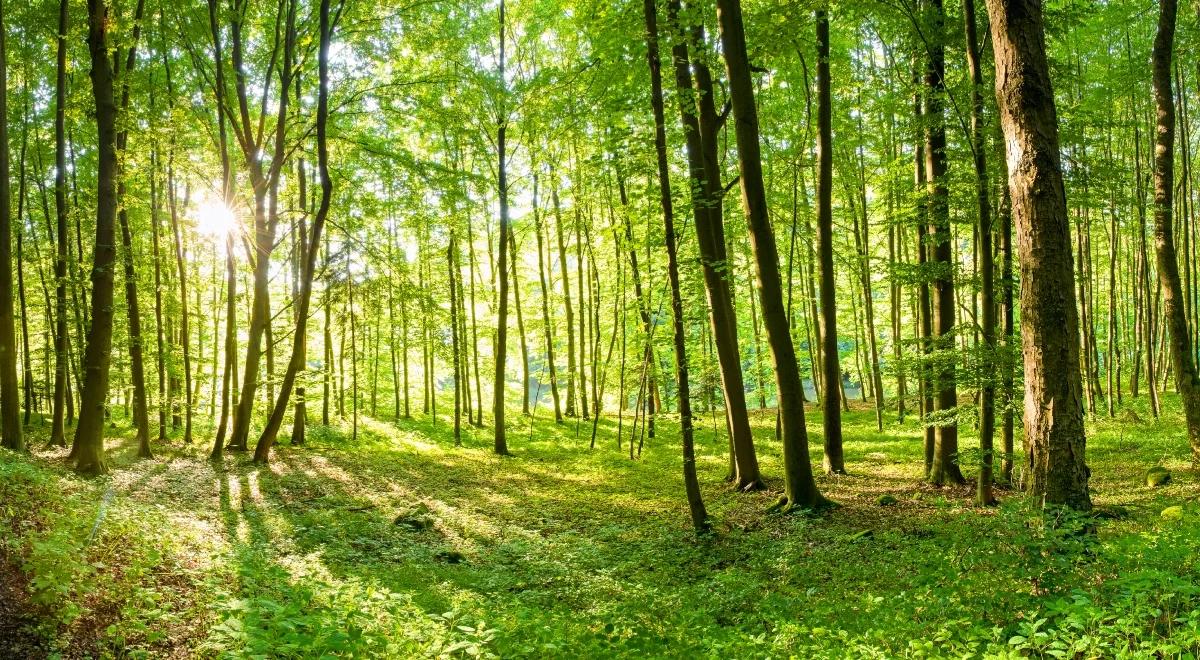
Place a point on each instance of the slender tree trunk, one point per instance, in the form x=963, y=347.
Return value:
x=831, y=404
x=1187, y=382
x=987, y=267
x=547, y=321
x=62, y=254
x=945, y=453
x=10, y=402
x=500, y=441
x=800, y=490
x=265, y=441
x=700, y=131
x=89, y=434
x=691, y=483
x=516, y=289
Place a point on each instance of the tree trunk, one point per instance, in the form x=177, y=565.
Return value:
x=800, y=490
x=1057, y=472
x=945, y=451
x=700, y=132
x=1174, y=311
x=62, y=254
x=547, y=321
x=89, y=438
x=987, y=267
x=691, y=484
x=831, y=403
x=500, y=441
x=265, y=441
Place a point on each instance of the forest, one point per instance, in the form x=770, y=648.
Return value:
x=552, y=328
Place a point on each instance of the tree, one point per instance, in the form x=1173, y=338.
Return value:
x=1183, y=362
x=89, y=434
x=1055, y=443
x=500, y=444
x=945, y=466
x=831, y=365
x=698, y=116
x=262, y=450
x=987, y=391
x=678, y=335
x=63, y=242
x=800, y=490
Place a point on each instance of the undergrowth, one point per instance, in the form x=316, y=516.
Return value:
x=400, y=544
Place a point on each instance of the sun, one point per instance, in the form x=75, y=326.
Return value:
x=215, y=218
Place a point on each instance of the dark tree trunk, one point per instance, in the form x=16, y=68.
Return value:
x=89, y=434
x=58, y=427
x=1057, y=472
x=500, y=441
x=945, y=466
x=987, y=392
x=1174, y=311
x=831, y=403
x=691, y=484
x=800, y=490
x=700, y=132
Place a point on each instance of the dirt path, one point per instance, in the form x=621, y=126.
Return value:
x=17, y=638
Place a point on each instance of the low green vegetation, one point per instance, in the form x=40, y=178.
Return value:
x=401, y=545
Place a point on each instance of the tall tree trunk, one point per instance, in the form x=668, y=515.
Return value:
x=184, y=321
x=945, y=451
x=547, y=321
x=924, y=306
x=262, y=451
x=700, y=132
x=800, y=490
x=516, y=289
x=691, y=483
x=89, y=434
x=1055, y=445
x=159, y=340
x=1187, y=382
x=831, y=403
x=566, y=286
x=62, y=254
x=987, y=267
x=459, y=384
x=11, y=432
x=500, y=441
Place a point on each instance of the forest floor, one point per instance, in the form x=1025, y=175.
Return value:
x=400, y=544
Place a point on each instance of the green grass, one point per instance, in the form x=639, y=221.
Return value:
x=562, y=550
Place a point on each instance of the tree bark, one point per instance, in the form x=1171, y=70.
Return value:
x=89, y=434
x=500, y=441
x=800, y=490
x=699, y=119
x=1187, y=382
x=1055, y=444
x=945, y=468
x=831, y=403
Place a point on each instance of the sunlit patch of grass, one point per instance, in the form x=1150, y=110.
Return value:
x=566, y=550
